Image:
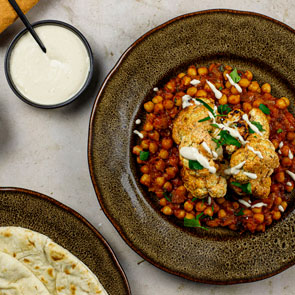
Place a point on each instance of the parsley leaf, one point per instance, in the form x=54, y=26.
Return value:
x=246, y=187
x=235, y=76
x=194, y=165
x=280, y=130
x=258, y=125
x=167, y=196
x=240, y=213
x=205, y=119
x=224, y=109
x=194, y=222
x=226, y=138
x=215, y=125
x=194, y=199
x=264, y=109
x=206, y=105
x=143, y=156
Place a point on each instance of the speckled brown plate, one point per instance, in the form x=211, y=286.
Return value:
x=20, y=207
x=242, y=39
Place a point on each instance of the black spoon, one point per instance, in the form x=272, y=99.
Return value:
x=27, y=24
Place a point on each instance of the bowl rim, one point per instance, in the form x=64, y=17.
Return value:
x=116, y=225
x=78, y=216
x=14, y=42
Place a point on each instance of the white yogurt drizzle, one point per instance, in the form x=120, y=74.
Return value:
x=238, y=87
x=138, y=121
x=250, y=175
x=292, y=175
x=156, y=89
x=138, y=133
x=186, y=101
x=281, y=144
x=234, y=170
x=280, y=152
x=252, y=126
x=195, y=82
x=209, y=200
x=290, y=155
x=255, y=152
x=191, y=153
x=217, y=93
x=289, y=183
x=259, y=205
x=208, y=150
x=281, y=208
x=243, y=202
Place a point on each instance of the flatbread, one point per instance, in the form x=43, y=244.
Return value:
x=16, y=279
x=60, y=271
x=8, y=15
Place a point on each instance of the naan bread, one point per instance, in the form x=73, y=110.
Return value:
x=16, y=279
x=60, y=271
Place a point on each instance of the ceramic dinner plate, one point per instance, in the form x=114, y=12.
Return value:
x=19, y=207
x=244, y=40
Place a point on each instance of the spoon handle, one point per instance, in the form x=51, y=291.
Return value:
x=27, y=24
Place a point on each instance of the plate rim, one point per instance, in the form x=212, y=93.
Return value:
x=90, y=135
x=78, y=216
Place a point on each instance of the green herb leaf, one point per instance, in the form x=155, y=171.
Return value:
x=212, y=208
x=220, y=88
x=264, y=109
x=194, y=222
x=205, y=119
x=206, y=105
x=235, y=76
x=218, y=144
x=258, y=125
x=203, y=201
x=143, y=156
x=194, y=165
x=221, y=68
x=279, y=131
x=215, y=125
x=226, y=138
x=193, y=199
x=224, y=109
x=246, y=187
x=167, y=196
x=240, y=213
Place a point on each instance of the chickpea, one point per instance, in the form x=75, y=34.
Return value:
x=168, y=104
x=181, y=75
x=244, y=83
x=220, y=200
x=227, y=67
x=221, y=213
x=160, y=180
x=223, y=99
x=167, y=143
x=278, y=201
x=160, y=165
x=208, y=211
x=167, y=186
x=281, y=104
x=289, y=188
x=189, y=215
x=258, y=217
x=256, y=210
x=291, y=136
x=145, y=179
x=201, y=93
x=171, y=172
x=207, y=87
x=234, y=90
x=137, y=149
x=159, y=108
x=286, y=100
x=254, y=86
x=286, y=162
x=284, y=205
x=260, y=227
x=202, y=71
x=236, y=205
x=170, y=86
x=234, y=99
x=145, y=144
x=200, y=206
x=249, y=75
x=275, y=143
x=224, y=74
x=276, y=215
x=228, y=84
x=266, y=88
x=257, y=103
x=167, y=210
x=247, y=107
x=280, y=177
x=285, y=150
x=153, y=147
x=192, y=91
x=157, y=99
x=178, y=101
x=149, y=106
x=188, y=206
x=154, y=135
x=180, y=214
x=163, y=202
x=247, y=212
x=181, y=190
x=192, y=71
x=163, y=154
x=145, y=169
x=186, y=80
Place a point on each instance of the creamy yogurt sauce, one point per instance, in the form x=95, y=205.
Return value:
x=252, y=126
x=216, y=92
x=56, y=76
x=231, y=81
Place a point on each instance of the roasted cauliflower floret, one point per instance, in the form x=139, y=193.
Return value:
x=202, y=186
x=258, y=116
x=258, y=160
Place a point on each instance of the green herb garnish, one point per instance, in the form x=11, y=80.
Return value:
x=280, y=130
x=226, y=138
x=214, y=125
x=224, y=109
x=220, y=88
x=240, y=213
x=264, y=109
x=167, y=196
x=203, y=201
x=194, y=222
x=193, y=199
x=206, y=105
x=143, y=156
x=205, y=119
x=194, y=165
x=246, y=187
x=212, y=208
x=235, y=76
x=258, y=125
